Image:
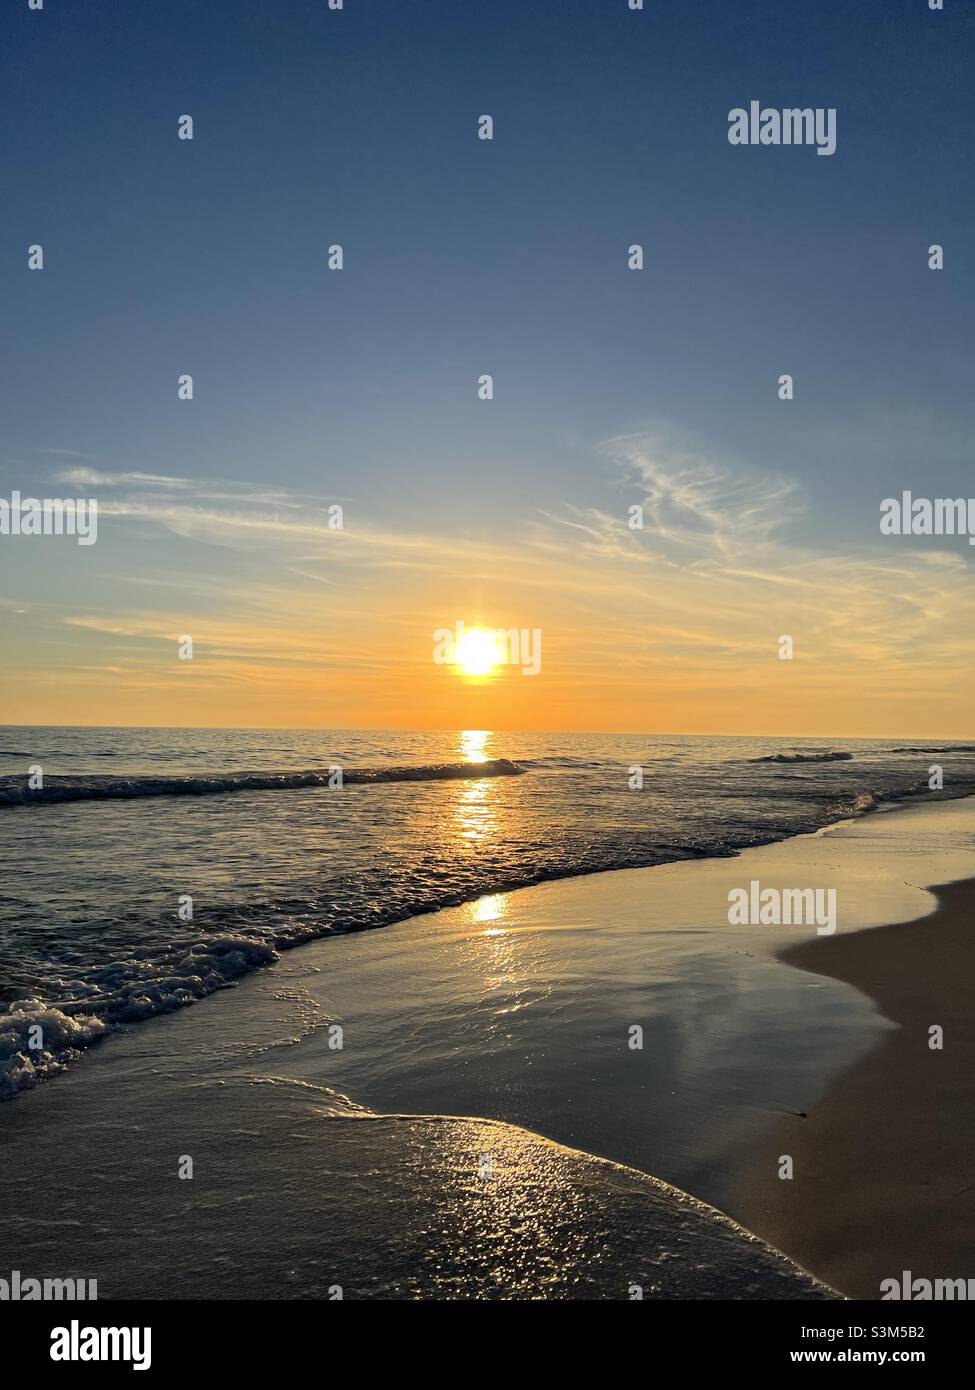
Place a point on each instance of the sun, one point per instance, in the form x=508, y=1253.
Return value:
x=477, y=652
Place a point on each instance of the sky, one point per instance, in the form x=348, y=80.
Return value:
x=612, y=387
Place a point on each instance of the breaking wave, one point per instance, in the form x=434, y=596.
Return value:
x=14, y=791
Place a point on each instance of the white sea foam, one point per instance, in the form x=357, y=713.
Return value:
x=37, y=1040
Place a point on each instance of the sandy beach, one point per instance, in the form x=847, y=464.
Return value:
x=883, y=1179
x=325, y=1159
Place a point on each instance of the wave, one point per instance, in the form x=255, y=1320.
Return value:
x=830, y=757
x=946, y=748
x=565, y=761
x=15, y=792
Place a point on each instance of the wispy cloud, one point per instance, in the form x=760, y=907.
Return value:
x=688, y=609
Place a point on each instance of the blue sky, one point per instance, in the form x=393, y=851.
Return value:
x=462, y=256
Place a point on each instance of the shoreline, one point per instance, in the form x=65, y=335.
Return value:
x=517, y=1007
x=883, y=1161
x=265, y=954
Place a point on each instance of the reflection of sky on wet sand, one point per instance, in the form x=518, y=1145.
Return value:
x=406, y=1207
x=508, y=964
x=518, y=1006
x=514, y=1216
x=489, y=909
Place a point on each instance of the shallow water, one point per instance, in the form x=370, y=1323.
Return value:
x=520, y=1007
x=93, y=923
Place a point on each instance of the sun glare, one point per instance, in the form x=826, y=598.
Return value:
x=473, y=744
x=477, y=652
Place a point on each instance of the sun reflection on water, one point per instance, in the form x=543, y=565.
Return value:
x=472, y=744
x=490, y=909
x=475, y=812
x=474, y=809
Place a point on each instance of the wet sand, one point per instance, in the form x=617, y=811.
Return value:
x=519, y=1007
x=884, y=1172
x=295, y=1194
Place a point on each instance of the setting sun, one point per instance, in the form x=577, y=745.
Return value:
x=477, y=652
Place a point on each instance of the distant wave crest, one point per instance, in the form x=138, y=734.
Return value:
x=829, y=757
x=946, y=748
x=14, y=791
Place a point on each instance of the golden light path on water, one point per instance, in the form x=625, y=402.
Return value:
x=474, y=818
x=474, y=813
x=472, y=744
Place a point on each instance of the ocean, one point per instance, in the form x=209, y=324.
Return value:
x=146, y=868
